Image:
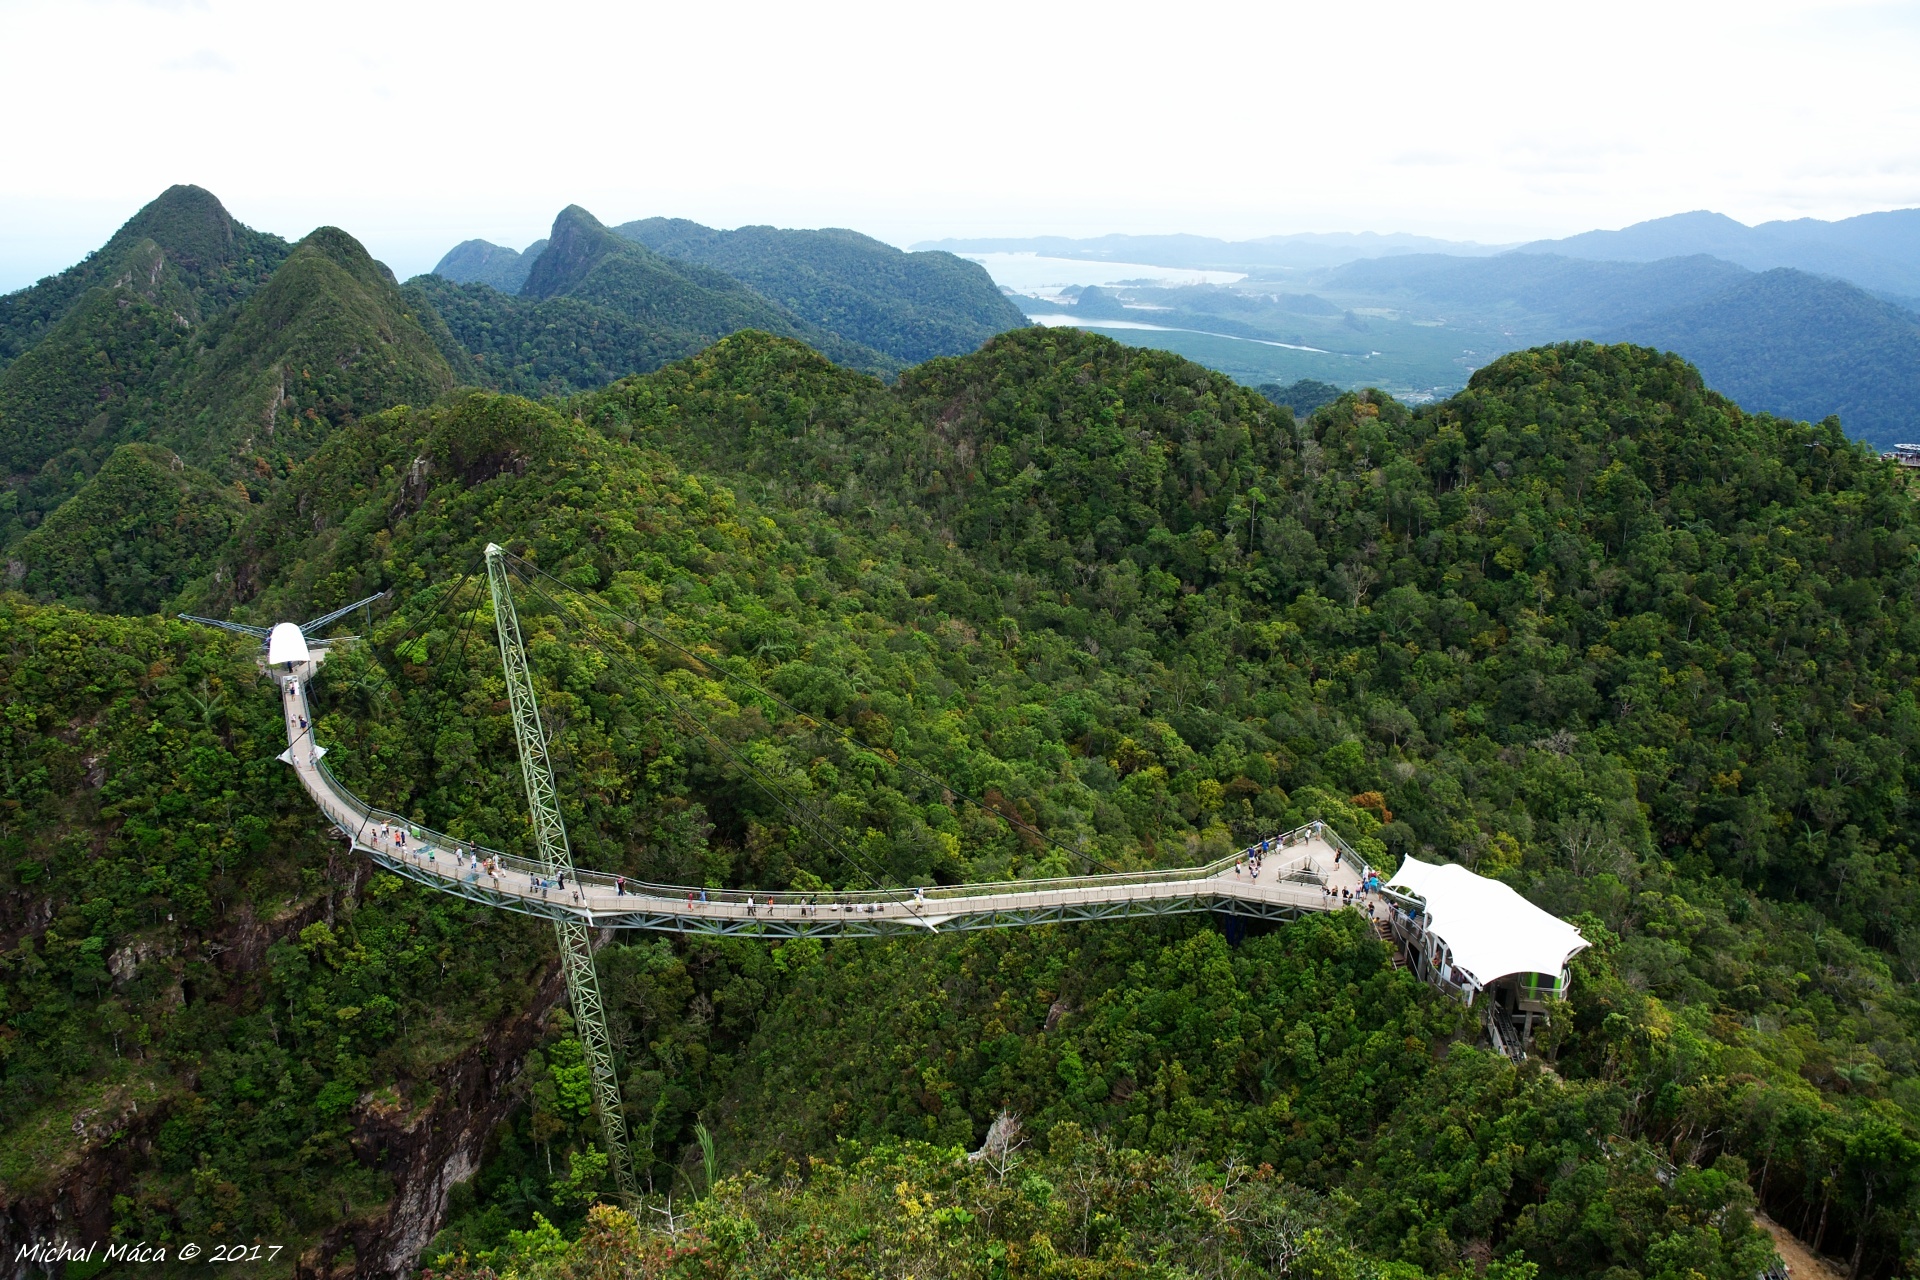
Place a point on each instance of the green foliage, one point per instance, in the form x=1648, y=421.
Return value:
x=1302, y=396
x=546, y=346
x=96, y=378
x=1587, y=627
x=217, y=260
x=1084, y=1208
x=198, y=970
x=1802, y=345
x=327, y=339
x=479, y=262
x=682, y=303
x=174, y=334
x=912, y=306
x=133, y=535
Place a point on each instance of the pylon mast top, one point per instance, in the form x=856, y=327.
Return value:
x=543, y=800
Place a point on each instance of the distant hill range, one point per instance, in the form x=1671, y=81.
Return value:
x=913, y=306
x=593, y=306
x=861, y=302
x=496, y=266
x=1802, y=319
x=1880, y=252
x=1302, y=251
x=1786, y=341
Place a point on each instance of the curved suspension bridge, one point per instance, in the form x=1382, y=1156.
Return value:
x=1301, y=871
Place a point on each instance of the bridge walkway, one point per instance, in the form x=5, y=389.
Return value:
x=1302, y=871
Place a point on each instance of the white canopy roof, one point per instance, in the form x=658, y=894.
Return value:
x=286, y=643
x=1491, y=930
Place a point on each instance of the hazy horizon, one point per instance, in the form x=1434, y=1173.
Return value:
x=421, y=256
x=1233, y=121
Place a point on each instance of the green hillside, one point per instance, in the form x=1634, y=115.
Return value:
x=99, y=375
x=219, y=343
x=594, y=307
x=216, y=259
x=327, y=339
x=481, y=262
x=1587, y=627
x=544, y=346
x=1803, y=346
x=585, y=261
x=136, y=533
x=913, y=306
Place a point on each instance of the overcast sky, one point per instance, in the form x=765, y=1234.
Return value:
x=415, y=126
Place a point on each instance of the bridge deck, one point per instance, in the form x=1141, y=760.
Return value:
x=1303, y=871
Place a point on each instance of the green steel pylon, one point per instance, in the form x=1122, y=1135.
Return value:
x=550, y=838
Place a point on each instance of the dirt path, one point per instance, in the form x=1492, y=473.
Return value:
x=1800, y=1260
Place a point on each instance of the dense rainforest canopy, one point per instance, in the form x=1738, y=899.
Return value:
x=1586, y=627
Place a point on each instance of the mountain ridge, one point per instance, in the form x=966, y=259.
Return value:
x=912, y=306
x=218, y=259
x=1879, y=252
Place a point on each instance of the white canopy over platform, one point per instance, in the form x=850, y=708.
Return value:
x=286, y=643
x=1491, y=930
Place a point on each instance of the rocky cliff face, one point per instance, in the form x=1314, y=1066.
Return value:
x=421, y=1148
x=425, y=1152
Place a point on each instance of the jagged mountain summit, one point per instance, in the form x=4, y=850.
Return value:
x=854, y=298
x=594, y=306
x=226, y=347
x=215, y=259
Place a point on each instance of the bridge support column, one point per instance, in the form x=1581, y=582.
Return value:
x=550, y=838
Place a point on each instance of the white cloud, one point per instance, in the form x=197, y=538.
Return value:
x=200, y=60
x=416, y=125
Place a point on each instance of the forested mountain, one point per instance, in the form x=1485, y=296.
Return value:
x=134, y=534
x=480, y=262
x=240, y=353
x=913, y=306
x=189, y=331
x=1783, y=341
x=1587, y=627
x=215, y=260
x=328, y=338
x=241, y=390
x=1797, y=344
x=591, y=313
x=594, y=306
